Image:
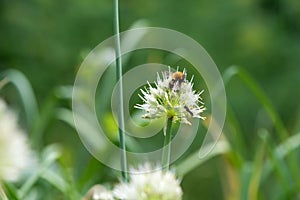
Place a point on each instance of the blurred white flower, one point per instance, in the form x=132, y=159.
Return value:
x=98, y=192
x=103, y=195
x=172, y=97
x=146, y=184
x=15, y=155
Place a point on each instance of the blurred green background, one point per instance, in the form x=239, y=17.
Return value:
x=48, y=39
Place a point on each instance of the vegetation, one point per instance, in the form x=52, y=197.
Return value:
x=255, y=45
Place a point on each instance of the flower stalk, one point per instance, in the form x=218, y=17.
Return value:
x=172, y=97
x=120, y=92
x=165, y=162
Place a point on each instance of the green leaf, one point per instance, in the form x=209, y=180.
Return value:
x=259, y=94
x=23, y=86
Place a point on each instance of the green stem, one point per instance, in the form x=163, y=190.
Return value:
x=165, y=162
x=120, y=92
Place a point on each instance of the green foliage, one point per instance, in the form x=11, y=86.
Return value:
x=43, y=43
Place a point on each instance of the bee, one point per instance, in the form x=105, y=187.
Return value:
x=177, y=77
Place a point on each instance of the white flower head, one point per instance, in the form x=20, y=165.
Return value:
x=172, y=97
x=99, y=192
x=146, y=184
x=15, y=155
x=103, y=195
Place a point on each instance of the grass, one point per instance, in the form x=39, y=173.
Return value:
x=272, y=161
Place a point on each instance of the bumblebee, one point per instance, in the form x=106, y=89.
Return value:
x=177, y=77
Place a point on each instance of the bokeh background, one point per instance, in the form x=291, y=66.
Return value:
x=48, y=39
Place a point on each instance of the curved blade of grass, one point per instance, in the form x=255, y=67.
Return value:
x=23, y=86
x=280, y=152
x=39, y=127
x=51, y=175
x=86, y=174
x=259, y=94
x=277, y=162
x=48, y=112
x=55, y=180
x=256, y=172
x=66, y=116
x=245, y=176
x=236, y=133
x=194, y=161
x=220, y=146
x=49, y=156
x=59, y=181
x=250, y=175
